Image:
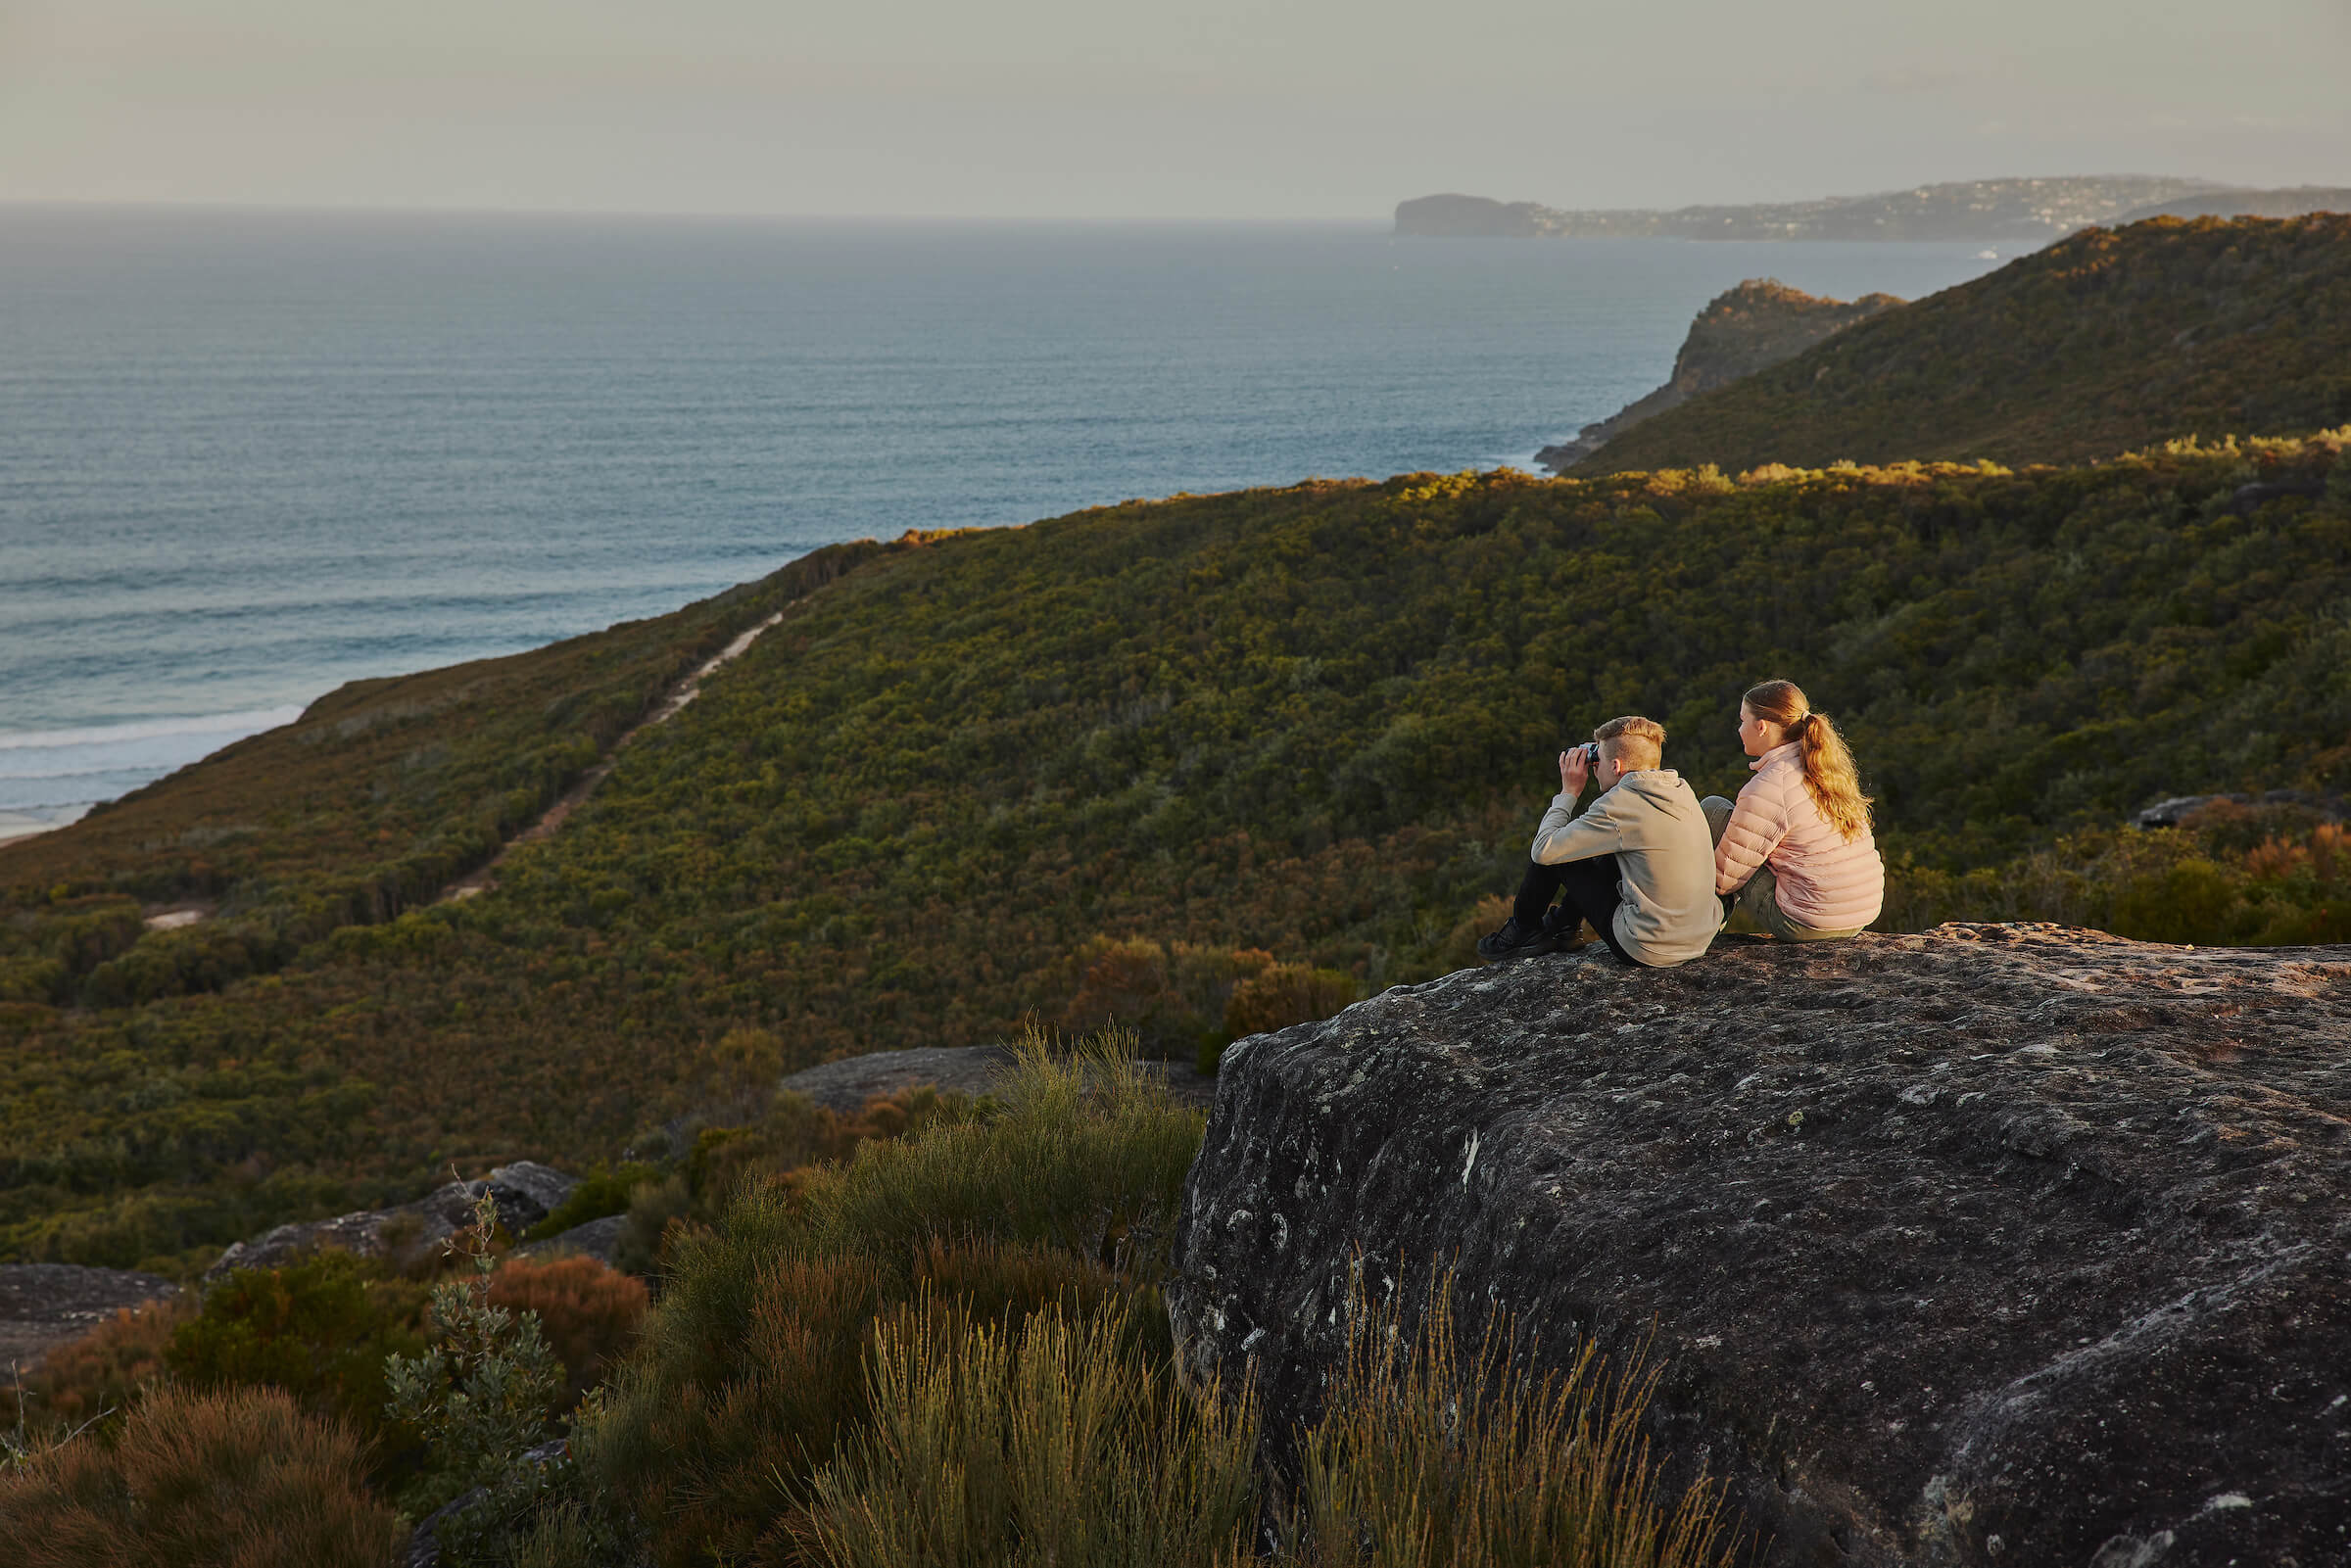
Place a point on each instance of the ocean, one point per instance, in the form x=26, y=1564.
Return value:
x=246, y=457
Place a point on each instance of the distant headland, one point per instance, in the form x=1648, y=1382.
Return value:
x=2039, y=210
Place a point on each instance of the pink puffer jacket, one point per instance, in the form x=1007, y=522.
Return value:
x=1827, y=881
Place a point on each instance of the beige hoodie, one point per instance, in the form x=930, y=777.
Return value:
x=1651, y=822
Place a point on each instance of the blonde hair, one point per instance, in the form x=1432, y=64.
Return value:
x=1830, y=776
x=1634, y=741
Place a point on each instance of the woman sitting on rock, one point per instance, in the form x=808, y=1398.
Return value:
x=1796, y=852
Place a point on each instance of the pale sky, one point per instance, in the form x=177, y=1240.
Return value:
x=1087, y=108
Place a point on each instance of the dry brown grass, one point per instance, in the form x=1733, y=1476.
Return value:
x=238, y=1480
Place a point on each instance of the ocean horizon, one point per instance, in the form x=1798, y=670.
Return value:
x=246, y=457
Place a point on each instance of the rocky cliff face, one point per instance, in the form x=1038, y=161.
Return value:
x=1759, y=323
x=1999, y=1245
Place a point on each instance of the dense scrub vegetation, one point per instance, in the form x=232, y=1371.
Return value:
x=1202, y=762
x=2106, y=340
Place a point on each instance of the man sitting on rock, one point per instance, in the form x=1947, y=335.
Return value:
x=1639, y=864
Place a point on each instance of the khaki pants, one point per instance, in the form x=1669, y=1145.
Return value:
x=1760, y=897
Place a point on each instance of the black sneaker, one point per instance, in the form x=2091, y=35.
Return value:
x=1566, y=928
x=1515, y=940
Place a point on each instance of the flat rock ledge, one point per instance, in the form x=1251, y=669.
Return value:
x=844, y=1086
x=2000, y=1245
x=42, y=1305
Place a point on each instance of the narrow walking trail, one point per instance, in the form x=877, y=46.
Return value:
x=482, y=880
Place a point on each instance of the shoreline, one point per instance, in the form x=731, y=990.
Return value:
x=17, y=825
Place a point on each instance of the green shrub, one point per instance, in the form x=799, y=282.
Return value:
x=1172, y=997
x=2190, y=902
x=1085, y=1152
x=601, y=1193
x=1285, y=994
x=653, y=1207
x=318, y=1328
x=240, y=1479
x=795, y=1133
x=2227, y=875
x=482, y=1392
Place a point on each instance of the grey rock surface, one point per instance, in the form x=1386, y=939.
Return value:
x=844, y=1086
x=597, y=1239
x=42, y=1305
x=525, y=1192
x=1995, y=1246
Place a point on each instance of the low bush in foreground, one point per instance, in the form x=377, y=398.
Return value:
x=240, y=1480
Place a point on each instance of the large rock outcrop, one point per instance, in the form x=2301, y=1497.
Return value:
x=1999, y=1245
x=525, y=1193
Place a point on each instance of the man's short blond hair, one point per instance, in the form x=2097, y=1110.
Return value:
x=1634, y=741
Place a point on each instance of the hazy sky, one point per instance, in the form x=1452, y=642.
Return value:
x=1204, y=109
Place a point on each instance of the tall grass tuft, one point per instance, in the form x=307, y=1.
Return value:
x=237, y=1480
x=1052, y=1441
x=1435, y=1455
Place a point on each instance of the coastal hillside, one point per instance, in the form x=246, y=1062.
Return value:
x=2033, y=210
x=2111, y=340
x=1196, y=765
x=1741, y=331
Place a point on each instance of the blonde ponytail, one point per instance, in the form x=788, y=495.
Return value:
x=1830, y=776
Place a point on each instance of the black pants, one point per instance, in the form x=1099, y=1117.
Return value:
x=1591, y=890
